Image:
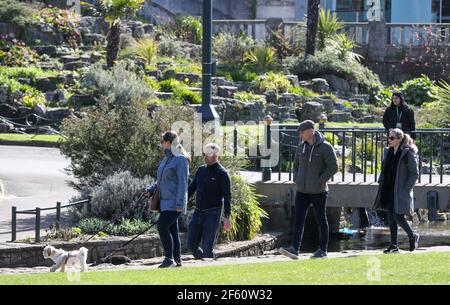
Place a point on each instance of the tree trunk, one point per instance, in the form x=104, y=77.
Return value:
x=311, y=24
x=113, y=45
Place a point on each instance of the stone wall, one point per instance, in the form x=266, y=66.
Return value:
x=14, y=255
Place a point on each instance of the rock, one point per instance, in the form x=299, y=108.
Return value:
x=95, y=57
x=94, y=24
x=164, y=95
x=226, y=91
x=81, y=100
x=24, y=80
x=94, y=38
x=320, y=85
x=368, y=119
x=16, y=96
x=45, y=84
x=293, y=79
x=148, y=28
x=39, y=110
x=337, y=84
x=356, y=169
x=426, y=170
x=169, y=73
x=243, y=86
x=326, y=101
x=221, y=81
x=157, y=74
x=138, y=32
x=57, y=114
x=49, y=50
x=234, y=110
x=8, y=111
x=339, y=116
x=75, y=65
x=278, y=113
x=4, y=94
x=71, y=78
x=271, y=97
x=190, y=77
x=310, y=111
x=287, y=100
x=357, y=113
x=69, y=58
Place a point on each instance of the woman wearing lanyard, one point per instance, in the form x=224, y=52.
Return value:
x=399, y=115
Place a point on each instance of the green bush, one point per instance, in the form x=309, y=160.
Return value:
x=144, y=49
x=236, y=74
x=125, y=227
x=246, y=212
x=230, y=49
x=381, y=96
x=171, y=48
x=185, y=28
x=302, y=91
x=273, y=81
x=18, y=13
x=187, y=96
x=342, y=46
x=246, y=96
x=418, y=90
x=328, y=63
x=119, y=85
x=260, y=59
x=60, y=20
x=327, y=27
x=436, y=114
x=169, y=85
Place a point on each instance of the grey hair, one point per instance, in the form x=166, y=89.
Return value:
x=407, y=141
x=212, y=149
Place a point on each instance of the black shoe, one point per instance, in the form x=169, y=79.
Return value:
x=414, y=242
x=319, y=254
x=167, y=263
x=289, y=252
x=391, y=249
x=178, y=262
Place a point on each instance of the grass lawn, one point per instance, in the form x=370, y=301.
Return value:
x=424, y=268
x=28, y=138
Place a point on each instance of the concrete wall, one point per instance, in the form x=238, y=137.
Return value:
x=285, y=9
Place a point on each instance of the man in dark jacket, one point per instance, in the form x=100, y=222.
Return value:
x=399, y=115
x=213, y=190
x=315, y=163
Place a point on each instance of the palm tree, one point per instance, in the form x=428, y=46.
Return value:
x=311, y=26
x=113, y=11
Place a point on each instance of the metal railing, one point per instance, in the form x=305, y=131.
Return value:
x=360, y=151
x=37, y=212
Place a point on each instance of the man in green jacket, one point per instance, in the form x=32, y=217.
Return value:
x=314, y=164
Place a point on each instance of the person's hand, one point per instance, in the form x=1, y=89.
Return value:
x=147, y=194
x=227, y=224
x=179, y=210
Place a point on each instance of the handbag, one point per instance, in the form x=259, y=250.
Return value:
x=155, y=199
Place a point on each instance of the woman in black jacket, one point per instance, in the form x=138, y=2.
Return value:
x=399, y=115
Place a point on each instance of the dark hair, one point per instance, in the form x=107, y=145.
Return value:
x=399, y=94
x=172, y=137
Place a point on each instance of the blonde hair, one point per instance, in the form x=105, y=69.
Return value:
x=177, y=149
x=406, y=138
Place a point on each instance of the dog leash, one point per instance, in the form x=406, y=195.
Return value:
x=114, y=219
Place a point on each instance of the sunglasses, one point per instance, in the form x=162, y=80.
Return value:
x=392, y=138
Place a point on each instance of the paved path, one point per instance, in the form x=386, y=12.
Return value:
x=30, y=177
x=188, y=260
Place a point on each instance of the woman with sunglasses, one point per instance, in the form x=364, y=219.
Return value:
x=399, y=173
x=172, y=180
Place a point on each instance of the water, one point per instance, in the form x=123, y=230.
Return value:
x=432, y=234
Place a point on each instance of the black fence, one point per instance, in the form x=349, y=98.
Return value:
x=37, y=212
x=359, y=152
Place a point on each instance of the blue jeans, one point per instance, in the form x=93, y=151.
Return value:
x=319, y=203
x=203, y=227
x=168, y=233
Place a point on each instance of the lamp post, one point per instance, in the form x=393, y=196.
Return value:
x=207, y=110
x=267, y=170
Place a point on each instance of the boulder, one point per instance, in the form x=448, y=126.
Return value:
x=57, y=114
x=69, y=58
x=320, y=85
x=5, y=127
x=157, y=74
x=271, y=97
x=340, y=116
x=94, y=24
x=75, y=65
x=45, y=84
x=226, y=91
x=190, y=77
x=287, y=100
x=293, y=79
x=221, y=81
x=310, y=111
x=337, y=84
x=49, y=50
x=93, y=38
x=8, y=111
x=368, y=119
x=326, y=101
x=4, y=94
x=169, y=73
x=80, y=100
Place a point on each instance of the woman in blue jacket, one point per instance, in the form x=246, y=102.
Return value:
x=172, y=180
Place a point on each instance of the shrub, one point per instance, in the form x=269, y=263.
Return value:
x=18, y=13
x=327, y=27
x=436, y=114
x=418, y=90
x=229, y=49
x=236, y=74
x=260, y=59
x=189, y=29
x=62, y=21
x=328, y=63
x=186, y=95
x=381, y=96
x=246, y=212
x=273, y=81
x=169, y=85
x=343, y=47
x=248, y=97
x=119, y=85
x=66, y=234
x=171, y=47
x=144, y=49
x=15, y=53
x=302, y=91
x=125, y=227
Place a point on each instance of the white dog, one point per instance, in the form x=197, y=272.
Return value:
x=63, y=258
